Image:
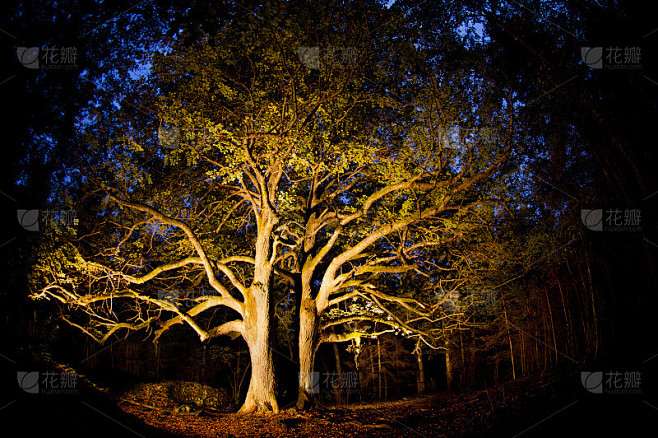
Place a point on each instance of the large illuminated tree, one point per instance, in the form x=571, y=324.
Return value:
x=235, y=114
x=328, y=173
x=403, y=209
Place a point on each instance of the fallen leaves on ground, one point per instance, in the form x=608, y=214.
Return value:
x=446, y=414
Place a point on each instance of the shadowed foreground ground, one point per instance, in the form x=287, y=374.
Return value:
x=549, y=406
x=552, y=405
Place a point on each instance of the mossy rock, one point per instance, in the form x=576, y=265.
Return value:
x=170, y=394
x=199, y=395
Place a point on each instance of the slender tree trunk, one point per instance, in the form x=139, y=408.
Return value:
x=569, y=335
x=550, y=313
x=449, y=373
x=357, y=350
x=157, y=361
x=379, y=369
x=461, y=347
x=523, y=358
x=371, y=353
x=511, y=349
x=497, y=363
x=595, y=319
x=421, y=370
x=339, y=370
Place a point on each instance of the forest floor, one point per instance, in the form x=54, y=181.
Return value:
x=554, y=405
x=543, y=406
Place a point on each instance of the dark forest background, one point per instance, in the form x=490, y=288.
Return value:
x=591, y=143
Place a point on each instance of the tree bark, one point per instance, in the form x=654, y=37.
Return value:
x=339, y=370
x=308, y=327
x=257, y=312
x=261, y=393
x=421, y=369
x=449, y=375
x=509, y=337
x=379, y=369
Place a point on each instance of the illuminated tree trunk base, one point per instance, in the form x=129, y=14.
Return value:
x=261, y=396
x=259, y=401
x=307, y=347
x=305, y=400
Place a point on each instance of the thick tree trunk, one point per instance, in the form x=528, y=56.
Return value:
x=261, y=393
x=307, y=347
